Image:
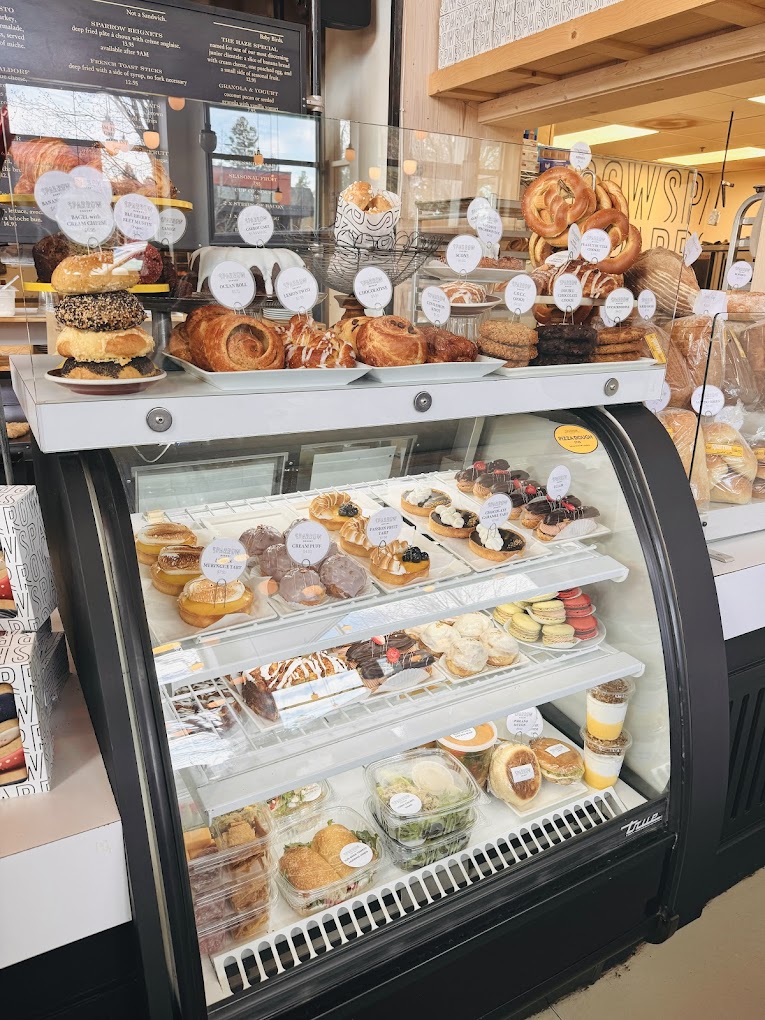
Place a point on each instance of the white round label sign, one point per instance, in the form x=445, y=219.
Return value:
x=49, y=189
x=384, y=526
x=495, y=510
x=474, y=210
x=372, y=287
x=297, y=289
x=529, y=722
x=136, y=217
x=88, y=178
x=489, y=227
x=661, y=402
x=596, y=245
x=223, y=560
x=85, y=216
x=356, y=855
x=436, y=305
x=463, y=253
x=405, y=803
x=607, y=320
x=172, y=226
x=255, y=225
x=580, y=155
x=232, y=285
x=308, y=542
x=646, y=304
x=520, y=294
x=559, y=482
x=567, y=292
x=574, y=241
x=619, y=304
x=310, y=792
x=739, y=274
x=707, y=401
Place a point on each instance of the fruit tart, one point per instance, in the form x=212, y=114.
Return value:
x=333, y=509
x=399, y=563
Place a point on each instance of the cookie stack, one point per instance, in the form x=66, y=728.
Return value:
x=619, y=343
x=565, y=343
x=513, y=342
x=101, y=335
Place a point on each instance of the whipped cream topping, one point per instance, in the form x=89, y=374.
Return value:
x=451, y=517
x=490, y=537
x=420, y=493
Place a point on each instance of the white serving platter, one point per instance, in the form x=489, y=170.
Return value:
x=275, y=380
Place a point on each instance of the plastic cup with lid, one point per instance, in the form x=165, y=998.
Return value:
x=607, y=707
x=603, y=759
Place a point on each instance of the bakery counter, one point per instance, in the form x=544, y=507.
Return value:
x=62, y=862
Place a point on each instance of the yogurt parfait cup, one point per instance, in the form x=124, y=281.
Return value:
x=603, y=758
x=607, y=708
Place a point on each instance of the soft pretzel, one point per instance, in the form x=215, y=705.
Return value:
x=615, y=193
x=613, y=222
x=539, y=249
x=626, y=240
x=558, y=197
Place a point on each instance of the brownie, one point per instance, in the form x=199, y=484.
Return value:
x=49, y=251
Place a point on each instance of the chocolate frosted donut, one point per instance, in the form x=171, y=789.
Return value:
x=100, y=313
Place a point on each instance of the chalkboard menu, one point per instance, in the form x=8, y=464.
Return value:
x=168, y=49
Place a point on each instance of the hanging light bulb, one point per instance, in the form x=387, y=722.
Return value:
x=374, y=173
x=409, y=166
x=208, y=140
x=258, y=158
x=278, y=195
x=350, y=154
x=421, y=135
x=176, y=102
x=151, y=139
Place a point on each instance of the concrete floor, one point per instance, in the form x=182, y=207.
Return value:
x=713, y=969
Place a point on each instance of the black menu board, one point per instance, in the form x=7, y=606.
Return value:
x=168, y=49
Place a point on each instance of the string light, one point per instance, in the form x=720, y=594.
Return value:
x=151, y=139
x=409, y=166
x=350, y=154
x=421, y=135
x=374, y=173
x=258, y=158
x=176, y=102
x=278, y=196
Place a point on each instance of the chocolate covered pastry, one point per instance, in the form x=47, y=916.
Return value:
x=342, y=576
x=257, y=540
x=382, y=657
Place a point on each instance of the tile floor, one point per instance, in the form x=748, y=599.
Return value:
x=713, y=969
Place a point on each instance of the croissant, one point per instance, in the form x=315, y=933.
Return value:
x=347, y=329
x=236, y=343
x=390, y=340
x=41, y=155
x=178, y=344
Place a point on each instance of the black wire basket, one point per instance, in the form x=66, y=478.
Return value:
x=335, y=263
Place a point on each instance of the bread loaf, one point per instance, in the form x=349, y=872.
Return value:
x=747, y=304
x=681, y=426
x=722, y=440
x=664, y=272
x=693, y=336
x=752, y=339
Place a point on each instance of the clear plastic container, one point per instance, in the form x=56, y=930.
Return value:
x=236, y=846
x=317, y=847
x=287, y=808
x=607, y=707
x=422, y=795
x=603, y=759
x=410, y=858
x=473, y=748
x=234, y=927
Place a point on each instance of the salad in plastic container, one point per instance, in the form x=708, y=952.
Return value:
x=235, y=846
x=287, y=807
x=327, y=858
x=410, y=858
x=422, y=795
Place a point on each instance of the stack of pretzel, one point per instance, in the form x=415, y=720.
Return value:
x=560, y=197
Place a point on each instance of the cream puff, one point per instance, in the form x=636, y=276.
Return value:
x=175, y=566
x=501, y=648
x=333, y=509
x=203, y=602
x=466, y=657
x=151, y=540
x=437, y=637
x=472, y=625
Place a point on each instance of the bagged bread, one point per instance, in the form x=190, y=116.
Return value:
x=739, y=384
x=731, y=465
x=746, y=303
x=693, y=336
x=755, y=437
x=681, y=426
x=664, y=272
x=657, y=344
x=752, y=340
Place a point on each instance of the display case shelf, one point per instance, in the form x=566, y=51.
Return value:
x=726, y=521
x=284, y=758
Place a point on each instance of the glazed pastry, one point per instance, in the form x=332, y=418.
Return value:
x=151, y=540
x=522, y=627
x=461, y=292
x=444, y=346
x=472, y=625
x=557, y=634
x=275, y=561
x=320, y=350
x=333, y=509
x=501, y=647
x=342, y=577
x=302, y=586
x=104, y=345
x=549, y=612
x=436, y=636
x=175, y=565
x=203, y=602
x=95, y=273
x=398, y=563
x=422, y=499
x=465, y=479
x=256, y=695
x=451, y=522
x=388, y=341
x=117, y=310
x=136, y=368
x=466, y=657
x=537, y=509
x=498, y=544
x=257, y=540
x=353, y=537
x=388, y=655
x=303, y=669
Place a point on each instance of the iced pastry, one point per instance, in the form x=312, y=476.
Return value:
x=436, y=636
x=342, y=577
x=576, y=522
x=257, y=540
x=451, y=522
x=603, y=758
x=399, y=563
x=607, y=708
x=302, y=586
x=559, y=761
x=549, y=612
x=353, y=537
x=522, y=627
x=465, y=479
x=203, y=602
x=275, y=561
x=514, y=774
x=472, y=625
x=395, y=655
x=535, y=511
x=499, y=544
x=521, y=497
x=501, y=647
x=333, y=509
x=494, y=470
x=473, y=748
x=556, y=634
x=466, y=656
x=422, y=499
x=175, y=565
x=151, y=540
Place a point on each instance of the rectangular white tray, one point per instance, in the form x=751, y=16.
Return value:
x=453, y=371
x=586, y=368
x=279, y=379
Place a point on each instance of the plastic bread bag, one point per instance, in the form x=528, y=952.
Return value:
x=752, y=340
x=739, y=384
x=731, y=464
x=693, y=335
x=681, y=426
x=753, y=431
x=658, y=345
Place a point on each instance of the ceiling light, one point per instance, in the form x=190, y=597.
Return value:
x=176, y=102
x=703, y=158
x=601, y=135
x=409, y=166
x=757, y=99
x=375, y=173
x=151, y=139
x=350, y=154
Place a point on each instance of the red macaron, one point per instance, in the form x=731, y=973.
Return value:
x=569, y=593
x=580, y=605
x=585, y=627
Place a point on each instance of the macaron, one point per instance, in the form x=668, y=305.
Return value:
x=549, y=612
x=542, y=598
x=557, y=634
x=578, y=606
x=585, y=627
x=569, y=593
x=524, y=628
x=503, y=613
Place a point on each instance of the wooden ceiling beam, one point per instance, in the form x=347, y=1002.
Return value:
x=725, y=59
x=735, y=12
x=618, y=50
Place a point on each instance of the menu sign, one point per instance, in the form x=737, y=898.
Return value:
x=168, y=49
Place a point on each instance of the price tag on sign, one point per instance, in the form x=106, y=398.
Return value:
x=255, y=225
x=297, y=289
x=574, y=241
x=559, y=482
x=474, y=210
x=436, y=305
x=567, y=292
x=692, y=249
x=307, y=542
x=372, y=287
x=49, y=189
x=619, y=304
x=646, y=304
x=384, y=526
x=136, y=217
x=596, y=245
x=172, y=226
x=232, y=285
x=580, y=155
x=707, y=400
x=223, y=560
x=85, y=216
x=520, y=293
x=489, y=227
x=463, y=253
x=739, y=274
x=495, y=510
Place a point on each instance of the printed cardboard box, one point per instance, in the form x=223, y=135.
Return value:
x=27, y=589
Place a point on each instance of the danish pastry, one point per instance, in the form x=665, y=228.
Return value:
x=389, y=340
x=462, y=292
x=235, y=343
x=444, y=346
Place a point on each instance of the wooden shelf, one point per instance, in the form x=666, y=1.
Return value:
x=161, y=203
